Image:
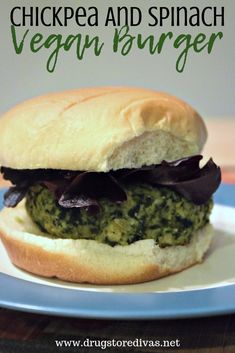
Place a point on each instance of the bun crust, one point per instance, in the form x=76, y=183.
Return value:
x=87, y=261
x=99, y=129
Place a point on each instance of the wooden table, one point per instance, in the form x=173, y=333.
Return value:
x=25, y=332
x=22, y=332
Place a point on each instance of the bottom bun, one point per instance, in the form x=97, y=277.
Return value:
x=87, y=261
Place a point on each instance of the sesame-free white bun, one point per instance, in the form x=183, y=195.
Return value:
x=89, y=261
x=99, y=129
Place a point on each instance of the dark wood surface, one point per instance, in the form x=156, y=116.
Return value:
x=32, y=332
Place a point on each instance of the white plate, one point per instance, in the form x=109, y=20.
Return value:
x=203, y=290
x=217, y=269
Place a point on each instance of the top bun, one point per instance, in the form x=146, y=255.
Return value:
x=99, y=129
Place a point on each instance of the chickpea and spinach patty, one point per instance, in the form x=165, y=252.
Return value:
x=149, y=213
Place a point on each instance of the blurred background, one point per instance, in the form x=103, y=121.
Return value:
x=207, y=83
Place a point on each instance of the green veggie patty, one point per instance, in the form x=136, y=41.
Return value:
x=149, y=213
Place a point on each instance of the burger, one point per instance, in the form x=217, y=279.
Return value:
x=107, y=185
